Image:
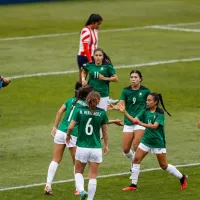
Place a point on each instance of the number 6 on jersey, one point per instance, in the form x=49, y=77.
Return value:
x=89, y=127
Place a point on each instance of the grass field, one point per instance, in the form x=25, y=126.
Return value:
x=28, y=105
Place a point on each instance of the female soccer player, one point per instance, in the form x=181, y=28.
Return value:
x=59, y=133
x=133, y=98
x=152, y=118
x=88, y=43
x=101, y=73
x=89, y=150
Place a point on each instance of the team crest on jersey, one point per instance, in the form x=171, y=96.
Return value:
x=102, y=69
x=154, y=116
x=140, y=94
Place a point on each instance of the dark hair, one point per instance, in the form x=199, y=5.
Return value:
x=158, y=98
x=82, y=94
x=93, y=99
x=137, y=72
x=93, y=18
x=106, y=58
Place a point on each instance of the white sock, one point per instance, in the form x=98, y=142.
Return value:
x=79, y=182
x=74, y=178
x=92, y=185
x=51, y=172
x=130, y=155
x=172, y=170
x=135, y=173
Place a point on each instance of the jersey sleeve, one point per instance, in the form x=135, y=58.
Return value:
x=75, y=116
x=111, y=70
x=105, y=119
x=85, y=39
x=67, y=103
x=86, y=67
x=160, y=119
x=140, y=115
x=123, y=95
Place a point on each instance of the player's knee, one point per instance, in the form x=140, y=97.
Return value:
x=163, y=166
x=126, y=150
x=137, y=160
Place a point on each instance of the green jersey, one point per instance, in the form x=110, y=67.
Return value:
x=135, y=101
x=70, y=109
x=89, y=126
x=100, y=86
x=153, y=138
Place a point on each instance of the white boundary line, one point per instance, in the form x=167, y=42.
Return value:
x=117, y=67
x=102, y=176
x=103, y=31
x=176, y=29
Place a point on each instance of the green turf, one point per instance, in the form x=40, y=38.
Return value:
x=154, y=185
x=29, y=105
x=34, y=19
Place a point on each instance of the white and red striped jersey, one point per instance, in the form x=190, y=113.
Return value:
x=88, y=42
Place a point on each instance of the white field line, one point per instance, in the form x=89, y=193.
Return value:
x=103, y=31
x=116, y=67
x=176, y=29
x=102, y=176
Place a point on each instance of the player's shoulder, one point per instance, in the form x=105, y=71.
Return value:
x=85, y=29
x=159, y=110
x=142, y=87
x=127, y=88
x=88, y=64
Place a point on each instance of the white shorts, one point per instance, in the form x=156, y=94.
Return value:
x=152, y=150
x=132, y=128
x=103, y=103
x=85, y=155
x=60, y=138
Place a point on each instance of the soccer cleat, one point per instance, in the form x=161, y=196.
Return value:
x=130, y=188
x=183, y=181
x=83, y=195
x=76, y=192
x=48, y=190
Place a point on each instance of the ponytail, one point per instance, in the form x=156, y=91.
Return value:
x=162, y=103
x=93, y=100
x=93, y=18
x=158, y=98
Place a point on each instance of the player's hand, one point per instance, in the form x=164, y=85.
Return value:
x=137, y=121
x=110, y=107
x=118, y=122
x=101, y=77
x=106, y=151
x=53, y=132
x=121, y=108
x=84, y=82
x=68, y=138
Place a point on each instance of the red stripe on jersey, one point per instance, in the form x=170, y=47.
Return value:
x=87, y=52
x=86, y=37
